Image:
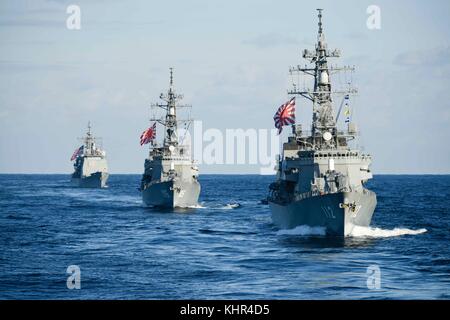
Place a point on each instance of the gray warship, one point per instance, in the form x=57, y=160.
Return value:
x=170, y=178
x=321, y=176
x=91, y=168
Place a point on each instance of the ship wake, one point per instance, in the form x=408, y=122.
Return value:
x=372, y=232
x=357, y=232
x=228, y=206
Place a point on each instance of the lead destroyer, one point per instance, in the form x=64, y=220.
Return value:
x=320, y=177
x=170, y=177
x=91, y=168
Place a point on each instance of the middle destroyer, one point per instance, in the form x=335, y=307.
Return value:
x=170, y=178
x=320, y=177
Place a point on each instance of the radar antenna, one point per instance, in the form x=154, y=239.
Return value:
x=321, y=95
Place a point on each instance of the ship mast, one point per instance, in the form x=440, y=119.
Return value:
x=323, y=115
x=89, y=140
x=170, y=122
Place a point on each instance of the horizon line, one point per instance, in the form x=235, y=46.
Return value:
x=232, y=173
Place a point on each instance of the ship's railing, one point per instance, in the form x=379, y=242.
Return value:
x=309, y=133
x=94, y=153
x=181, y=152
x=304, y=134
x=335, y=154
x=276, y=195
x=312, y=193
x=307, y=194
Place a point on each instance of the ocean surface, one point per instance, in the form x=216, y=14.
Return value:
x=227, y=248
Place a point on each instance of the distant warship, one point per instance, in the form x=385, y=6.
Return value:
x=170, y=176
x=320, y=177
x=91, y=168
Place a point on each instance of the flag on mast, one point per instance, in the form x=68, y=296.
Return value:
x=76, y=153
x=285, y=115
x=347, y=113
x=148, y=135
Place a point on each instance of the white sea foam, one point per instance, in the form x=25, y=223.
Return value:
x=303, y=231
x=358, y=231
x=229, y=206
x=371, y=232
x=197, y=206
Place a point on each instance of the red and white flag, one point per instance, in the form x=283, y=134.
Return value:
x=149, y=134
x=76, y=153
x=285, y=115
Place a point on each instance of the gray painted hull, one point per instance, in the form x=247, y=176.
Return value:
x=326, y=211
x=95, y=180
x=172, y=194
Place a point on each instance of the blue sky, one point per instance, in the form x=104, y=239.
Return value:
x=231, y=61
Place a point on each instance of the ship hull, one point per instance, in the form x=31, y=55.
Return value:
x=95, y=180
x=172, y=194
x=328, y=211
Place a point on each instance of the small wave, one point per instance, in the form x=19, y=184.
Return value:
x=303, y=231
x=120, y=198
x=197, y=206
x=229, y=206
x=224, y=232
x=371, y=232
x=18, y=217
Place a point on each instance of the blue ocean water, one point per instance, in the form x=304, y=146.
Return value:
x=227, y=248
